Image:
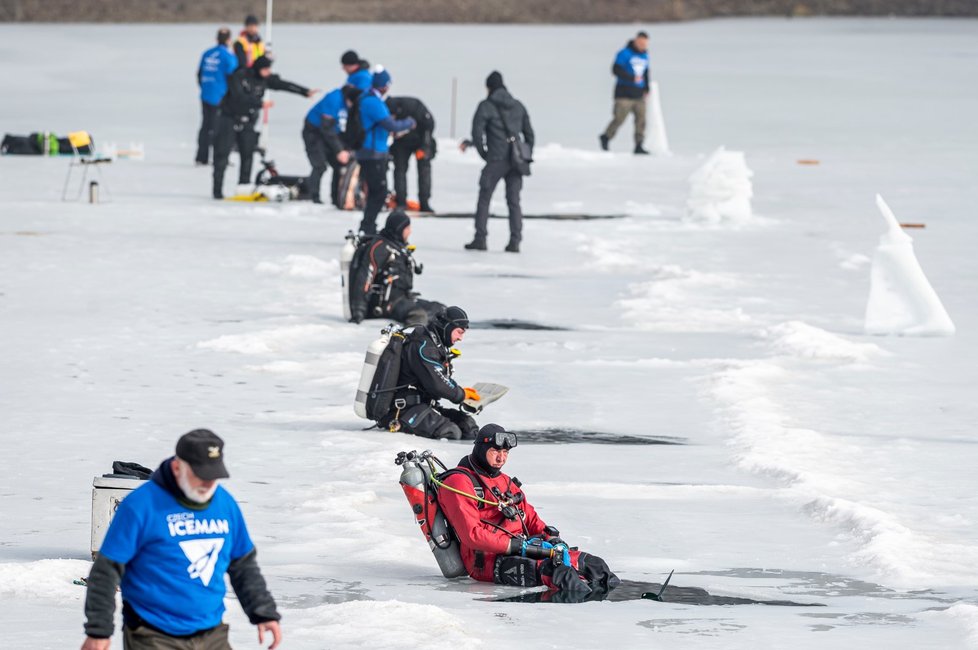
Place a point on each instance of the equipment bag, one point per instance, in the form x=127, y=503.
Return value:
x=520, y=154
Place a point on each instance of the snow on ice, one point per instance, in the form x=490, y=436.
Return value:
x=809, y=461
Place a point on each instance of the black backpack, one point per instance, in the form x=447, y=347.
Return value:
x=354, y=136
x=380, y=396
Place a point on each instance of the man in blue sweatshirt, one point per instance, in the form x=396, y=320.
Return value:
x=168, y=548
x=357, y=70
x=377, y=124
x=322, y=135
x=631, y=70
x=212, y=77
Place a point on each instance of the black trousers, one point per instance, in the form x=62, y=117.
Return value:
x=434, y=422
x=229, y=133
x=321, y=156
x=374, y=173
x=205, y=138
x=414, y=311
x=402, y=154
x=492, y=173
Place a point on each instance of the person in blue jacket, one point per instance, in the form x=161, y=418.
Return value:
x=631, y=70
x=357, y=70
x=377, y=124
x=212, y=77
x=322, y=134
x=168, y=548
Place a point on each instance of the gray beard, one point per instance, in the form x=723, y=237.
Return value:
x=191, y=494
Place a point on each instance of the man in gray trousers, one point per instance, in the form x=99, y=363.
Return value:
x=498, y=118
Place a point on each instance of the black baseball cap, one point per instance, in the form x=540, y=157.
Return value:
x=203, y=450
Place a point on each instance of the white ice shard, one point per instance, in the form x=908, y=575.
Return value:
x=901, y=300
x=659, y=141
x=721, y=189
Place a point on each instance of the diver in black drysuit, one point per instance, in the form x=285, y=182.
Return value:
x=426, y=377
x=382, y=277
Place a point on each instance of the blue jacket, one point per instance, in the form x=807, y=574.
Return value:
x=361, y=79
x=212, y=73
x=378, y=124
x=629, y=64
x=333, y=106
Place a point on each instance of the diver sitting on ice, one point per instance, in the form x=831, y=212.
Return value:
x=501, y=537
x=425, y=377
x=381, y=276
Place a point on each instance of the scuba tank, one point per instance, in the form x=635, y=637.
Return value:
x=346, y=257
x=420, y=492
x=374, y=350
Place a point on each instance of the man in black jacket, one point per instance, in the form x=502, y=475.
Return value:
x=382, y=277
x=426, y=378
x=168, y=548
x=496, y=118
x=418, y=142
x=239, y=113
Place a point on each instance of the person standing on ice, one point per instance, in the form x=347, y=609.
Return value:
x=357, y=70
x=498, y=118
x=631, y=69
x=249, y=46
x=322, y=134
x=418, y=143
x=239, y=113
x=216, y=65
x=502, y=538
x=377, y=124
x=169, y=546
x=426, y=378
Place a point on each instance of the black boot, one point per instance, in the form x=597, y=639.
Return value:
x=640, y=150
x=476, y=245
x=604, y=142
x=513, y=246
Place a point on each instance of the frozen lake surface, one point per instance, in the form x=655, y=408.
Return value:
x=816, y=464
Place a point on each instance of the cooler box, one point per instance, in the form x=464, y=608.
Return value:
x=107, y=493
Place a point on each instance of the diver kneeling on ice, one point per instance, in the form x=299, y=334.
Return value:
x=382, y=271
x=502, y=538
x=426, y=377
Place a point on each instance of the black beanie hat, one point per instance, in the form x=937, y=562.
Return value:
x=261, y=62
x=350, y=57
x=251, y=19
x=448, y=320
x=483, y=443
x=494, y=80
x=397, y=221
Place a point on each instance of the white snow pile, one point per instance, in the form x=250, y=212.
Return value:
x=378, y=624
x=680, y=300
x=300, y=266
x=963, y=613
x=798, y=339
x=44, y=579
x=901, y=300
x=280, y=339
x=721, y=189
